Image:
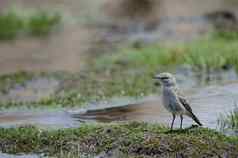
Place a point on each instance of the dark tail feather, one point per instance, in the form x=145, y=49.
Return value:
x=195, y=119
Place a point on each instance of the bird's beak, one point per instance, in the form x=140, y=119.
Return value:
x=156, y=83
x=156, y=77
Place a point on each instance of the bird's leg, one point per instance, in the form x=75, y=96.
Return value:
x=181, y=123
x=172, y=124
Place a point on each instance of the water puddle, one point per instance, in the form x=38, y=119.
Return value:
x=42, y=118
x=18, y=156
x=207, y=103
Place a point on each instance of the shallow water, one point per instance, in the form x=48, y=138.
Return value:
x=18, y=156
x=208, y=104
x=42, y=118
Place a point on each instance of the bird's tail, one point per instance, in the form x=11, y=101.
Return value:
x=195, y=119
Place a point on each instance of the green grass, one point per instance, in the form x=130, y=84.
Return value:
x=212, y=55
x=42, y=23
x=132, y=139
x=36, y=23
x=202, y=55
x=225, y=35
x=10, y=26
x=79, y=89
x=129, y=71
x=96, y=87
x=229, y=121
x=8, y=81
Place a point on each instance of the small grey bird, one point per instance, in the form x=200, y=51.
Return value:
x=172, y=100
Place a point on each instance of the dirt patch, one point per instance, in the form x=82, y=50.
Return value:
x=60, y=52
x=145, y=11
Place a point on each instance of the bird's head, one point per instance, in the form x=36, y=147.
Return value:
x=165, y=79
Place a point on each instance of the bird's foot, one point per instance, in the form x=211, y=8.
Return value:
x=173, y=131
x=192, y=126
x=169, y=131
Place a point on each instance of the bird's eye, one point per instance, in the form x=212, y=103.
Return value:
x=164, y=78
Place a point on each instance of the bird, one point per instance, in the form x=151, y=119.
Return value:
x=172, y=100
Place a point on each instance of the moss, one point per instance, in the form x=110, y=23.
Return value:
x=131, y=139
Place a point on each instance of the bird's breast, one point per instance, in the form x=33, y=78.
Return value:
x=171, y=102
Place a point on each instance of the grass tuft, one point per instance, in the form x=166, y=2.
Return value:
x=36, y=23
x=226, y=35
x=203, y=55
x=8, y=81
x=10, y=26
x=132, y=139
x=229, y=121
x=42, y=23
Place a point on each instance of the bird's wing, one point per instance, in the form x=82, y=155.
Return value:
x=183, y=100
x=185, y=104
x=189, y=109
